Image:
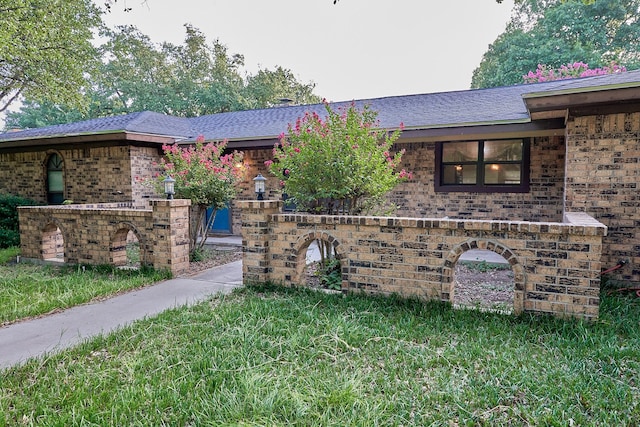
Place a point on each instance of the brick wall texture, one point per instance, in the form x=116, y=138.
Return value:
x=91, y=175
x=97, y=233
x=556, y=265
x=603, y=174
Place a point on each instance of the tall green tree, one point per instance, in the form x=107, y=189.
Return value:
x=45, y=49
x=556, y=32
x=190, y=79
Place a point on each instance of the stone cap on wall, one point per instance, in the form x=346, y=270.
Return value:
x=586, y=227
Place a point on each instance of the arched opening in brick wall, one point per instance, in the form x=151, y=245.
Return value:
x=485, y=275
x=52, y=247
x=126, y=247
x=306, y=254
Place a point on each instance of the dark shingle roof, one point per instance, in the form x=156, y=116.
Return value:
x=445, y=109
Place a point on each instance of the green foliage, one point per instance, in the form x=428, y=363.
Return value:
x=554, y=33
x=45, y=49
x=338, y=165
x=331, y=274
x=8, y=254
x=291, y=357
x=484, y=266
x=9, y=222
x=187, y=80
x=31, y=290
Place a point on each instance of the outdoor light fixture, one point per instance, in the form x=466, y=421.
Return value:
x=168, y=187
x=260, y=185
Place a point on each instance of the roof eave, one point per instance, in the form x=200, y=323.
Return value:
x=73, y=138
x=571, y=98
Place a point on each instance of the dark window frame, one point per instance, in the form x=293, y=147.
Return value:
x=480, y=186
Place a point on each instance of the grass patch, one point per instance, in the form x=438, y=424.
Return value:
x=9, y=254
x=484, y=266
x=28, y=290
x=272, y=356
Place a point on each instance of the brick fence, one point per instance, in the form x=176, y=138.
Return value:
x=556, y=266
x=97, y=233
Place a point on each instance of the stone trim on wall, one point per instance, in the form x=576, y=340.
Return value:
x=556, y=265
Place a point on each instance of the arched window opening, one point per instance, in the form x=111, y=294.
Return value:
x=55, y=180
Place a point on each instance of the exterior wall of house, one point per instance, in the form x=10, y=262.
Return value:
x=543, y=202
x=417, y=198
x=144, y=168
x=23, y=174
x=603, y=176
x=91, y=174
x=555, y=265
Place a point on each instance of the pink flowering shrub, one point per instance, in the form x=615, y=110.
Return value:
x=544, y=73
x=339, y=164
x=204, y=174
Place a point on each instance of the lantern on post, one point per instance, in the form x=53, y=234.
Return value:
x=169, y=187
x=260, y=182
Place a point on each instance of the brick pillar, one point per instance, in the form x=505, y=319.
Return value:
x=256, y=224
x=170, y=224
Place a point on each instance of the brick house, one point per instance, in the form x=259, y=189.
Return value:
x=524, y=152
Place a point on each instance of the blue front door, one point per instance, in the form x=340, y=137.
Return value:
x=222, y=222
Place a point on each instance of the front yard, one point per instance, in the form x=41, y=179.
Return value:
x=271, y=356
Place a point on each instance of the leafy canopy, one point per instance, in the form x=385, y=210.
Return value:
x=45, y=49
x=556, y=33
x=187, y=80
x=340, y=164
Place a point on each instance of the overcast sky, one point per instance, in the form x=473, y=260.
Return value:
x=356, y=49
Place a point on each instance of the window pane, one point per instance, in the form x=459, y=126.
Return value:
x=502, y=174
x=459, y=174
x=55, y=182
x=495, y=151
x=460, y=152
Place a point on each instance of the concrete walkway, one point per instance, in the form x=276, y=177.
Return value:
x=32, y=338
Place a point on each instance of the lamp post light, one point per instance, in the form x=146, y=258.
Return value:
x=259, y=182
x=168, y=187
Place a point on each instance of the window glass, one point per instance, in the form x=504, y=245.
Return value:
x=508, y=174
x=55, y=180
x=460, y=152
x=460, y=174
x=502, y=151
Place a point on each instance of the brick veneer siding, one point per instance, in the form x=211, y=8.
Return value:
x=91, y=174
x=556, y=265
x=96, y=233
x=544, y=201
x=602, y=179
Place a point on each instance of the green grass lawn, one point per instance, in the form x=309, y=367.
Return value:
x=266, y=356
x=31, y=290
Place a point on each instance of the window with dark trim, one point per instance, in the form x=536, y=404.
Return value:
x=55, y=180
x=483, y=166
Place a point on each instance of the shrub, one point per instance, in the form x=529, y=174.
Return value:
x=9, y=223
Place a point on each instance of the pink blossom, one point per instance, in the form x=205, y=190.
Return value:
x=268, y=163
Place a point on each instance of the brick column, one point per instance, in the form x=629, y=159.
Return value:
x=256, y=235
x=170, y=224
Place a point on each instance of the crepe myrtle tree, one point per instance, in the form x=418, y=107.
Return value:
x=341, y=164
x=545, y=73
x=204, y=174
